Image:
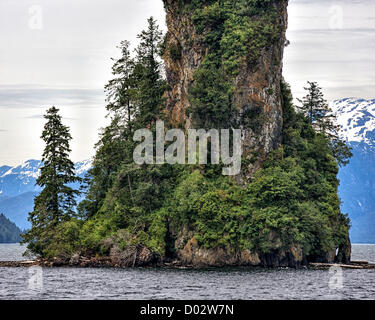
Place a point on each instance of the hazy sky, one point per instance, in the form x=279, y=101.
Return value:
x=57, y=52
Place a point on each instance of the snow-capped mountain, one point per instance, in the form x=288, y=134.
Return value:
x=357, y=119
x=19, y=179
x=82, y=167
x=357, y=189
x=18, y=188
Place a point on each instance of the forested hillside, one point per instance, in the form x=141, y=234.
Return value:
x=9, y=232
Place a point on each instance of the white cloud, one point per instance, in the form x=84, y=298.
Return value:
x=67, y=62
x=341, y=60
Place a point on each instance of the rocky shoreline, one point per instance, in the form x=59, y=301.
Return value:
x=353, y=265
x=18, y=264
x=107, y=263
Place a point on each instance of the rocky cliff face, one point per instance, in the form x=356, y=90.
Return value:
x=197, y=38
x=257, y=111
x=256, y=98
x=183, y=37
x=190, y=253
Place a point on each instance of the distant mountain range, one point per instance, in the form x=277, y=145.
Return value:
x=357, y=189
x=18, y=189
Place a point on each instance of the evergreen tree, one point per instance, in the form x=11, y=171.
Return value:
x=151, y=83
x=116, y=139
x=135, y=100
x=314, y=106
x=121, y=90
x=56, y=202
x=318, y=113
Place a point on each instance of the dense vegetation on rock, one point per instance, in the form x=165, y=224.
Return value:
x=9, y=232
x=288, y=213
x=232, y=31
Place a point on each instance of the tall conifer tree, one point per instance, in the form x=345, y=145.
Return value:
x=135, y=101
x=56, y=202
x=320, y=116
x=151, y=85
x=313, y=105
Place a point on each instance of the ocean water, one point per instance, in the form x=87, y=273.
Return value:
x=216, y=284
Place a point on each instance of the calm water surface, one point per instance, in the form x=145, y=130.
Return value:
x=75, y=283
